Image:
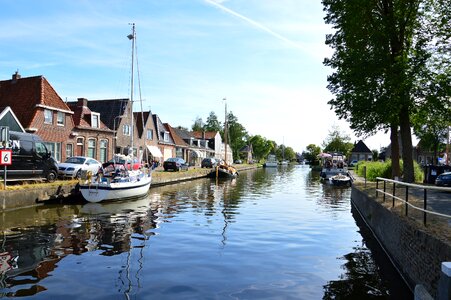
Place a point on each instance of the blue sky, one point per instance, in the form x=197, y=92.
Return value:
x=264, y=56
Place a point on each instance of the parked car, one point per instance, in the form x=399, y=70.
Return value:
x=73, y=166
x=30, y=158
x=238, y=161
x=443, y=179
x=209, y=162
x=353, y=163
x=175, y=164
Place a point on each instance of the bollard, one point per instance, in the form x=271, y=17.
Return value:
x=444, y=284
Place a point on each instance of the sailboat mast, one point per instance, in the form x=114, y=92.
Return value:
x=225, y=130
x=132, y=37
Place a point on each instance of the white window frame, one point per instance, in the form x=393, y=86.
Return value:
x=91, y=148
x=69, y=150
x=48, y=116
x=149, y=134
x=126, y=129
x=103, y=151
x=60, y=118
x=95, y=120
x=166, y=136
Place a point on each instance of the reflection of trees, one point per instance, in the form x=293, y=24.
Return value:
x=369, y=273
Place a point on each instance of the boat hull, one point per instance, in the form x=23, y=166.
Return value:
x=222, y=173
x=104, y=191
x=270, y=165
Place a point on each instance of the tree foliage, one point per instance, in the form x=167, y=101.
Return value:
x=198, y=124
x=384, y=57
x=237, y=134
x=337, y=141
x=212, y=123
x=311, y=154
x=261, y=146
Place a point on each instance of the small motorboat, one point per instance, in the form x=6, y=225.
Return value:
x=341, y=180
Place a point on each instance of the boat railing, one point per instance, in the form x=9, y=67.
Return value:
x=418, y=191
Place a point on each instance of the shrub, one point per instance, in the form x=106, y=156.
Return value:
x=383, y=169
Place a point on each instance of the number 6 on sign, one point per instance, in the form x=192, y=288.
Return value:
x=5, y=157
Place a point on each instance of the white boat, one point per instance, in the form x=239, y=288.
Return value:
x=332, y=164
x=341, y=180
x=121, y=183
x=271, y=161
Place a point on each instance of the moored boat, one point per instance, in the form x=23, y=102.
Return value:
x=341, y=180
x=271, y=161
x=119, y=182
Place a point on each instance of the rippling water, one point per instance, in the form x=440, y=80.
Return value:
x=270, y=234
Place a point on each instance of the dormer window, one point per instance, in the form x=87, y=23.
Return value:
x=95, y=120
x=60, y=118
x=48, y=116
x=166, y=136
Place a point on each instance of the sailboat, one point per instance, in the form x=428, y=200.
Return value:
x=223, y=169
x=121, y=183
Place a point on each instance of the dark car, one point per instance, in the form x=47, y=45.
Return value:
x=175, y=164
x=443, y=179
x=30, y=158
x=208, y=162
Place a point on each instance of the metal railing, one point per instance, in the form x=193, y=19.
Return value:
x=406, y=196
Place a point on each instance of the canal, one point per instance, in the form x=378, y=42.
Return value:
x=269, y=234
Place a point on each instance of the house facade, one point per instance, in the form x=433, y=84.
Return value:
x=93, y=138
x=41, y=111
x=181, y=147
x=147, y=137
x=166, y=144
x=360, y=152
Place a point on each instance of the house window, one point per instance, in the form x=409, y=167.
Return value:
x=95, y=120
x=126, y=130
x=166, y=136
x=55, y=149
x=149, y=134
x=69, y=150
x=48, y=116
x=91, y=148
x=103, y=150
x=60, y=118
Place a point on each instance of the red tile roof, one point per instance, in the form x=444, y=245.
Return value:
x=177, y=139
x=208, y=134
x=23, y=94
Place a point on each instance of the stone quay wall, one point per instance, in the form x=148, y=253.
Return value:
x=417, y=254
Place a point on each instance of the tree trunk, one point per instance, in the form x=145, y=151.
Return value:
x=395, y=168
x=407, y=149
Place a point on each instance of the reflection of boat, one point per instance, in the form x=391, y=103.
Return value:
x=341, y=180
x=332, y=164
x=123, y=183
x=271, y=161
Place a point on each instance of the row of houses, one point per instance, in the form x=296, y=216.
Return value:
x=98, y=128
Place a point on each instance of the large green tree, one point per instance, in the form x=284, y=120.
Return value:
x=212, y=123
x=237, y=134
x=311, y=154
x=337, y=141
x=261, y=146
x=377, y=61
x=198, y=124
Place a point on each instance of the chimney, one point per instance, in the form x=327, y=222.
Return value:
x=82, y=102
x=16, y=76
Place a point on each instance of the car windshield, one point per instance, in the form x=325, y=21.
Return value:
x=172, y=159
x=75, y=160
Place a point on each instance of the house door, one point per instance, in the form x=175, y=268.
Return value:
x=79, y=150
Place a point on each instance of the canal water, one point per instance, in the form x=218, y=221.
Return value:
x=269, y=234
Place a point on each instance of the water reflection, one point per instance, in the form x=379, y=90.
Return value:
x=265, y=234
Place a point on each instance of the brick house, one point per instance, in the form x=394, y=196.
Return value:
x=181, y=147
x=165, y=142
x=40, y=110
x=93, y=138
x=361, y=152
x=147, y=136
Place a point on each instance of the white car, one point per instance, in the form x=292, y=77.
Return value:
x=73, y=166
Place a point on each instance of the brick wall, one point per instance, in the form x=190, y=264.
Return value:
x=417, y=254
